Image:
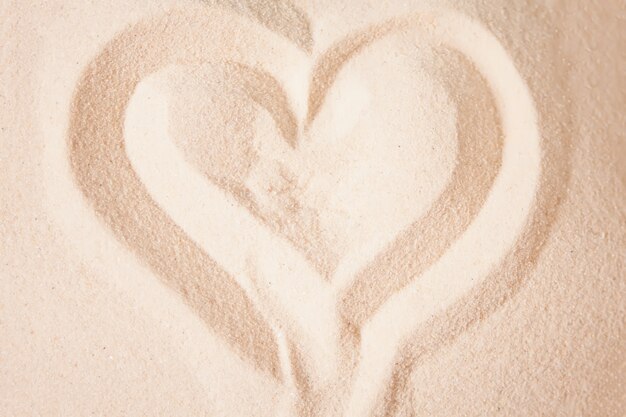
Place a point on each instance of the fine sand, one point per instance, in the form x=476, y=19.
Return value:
x=312, y=209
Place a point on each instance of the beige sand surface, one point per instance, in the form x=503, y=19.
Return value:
x=275, y=208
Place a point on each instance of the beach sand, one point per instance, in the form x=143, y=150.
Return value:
x=312, y=209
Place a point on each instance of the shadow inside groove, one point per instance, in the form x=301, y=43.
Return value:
x=104, y=174
x=479, y=156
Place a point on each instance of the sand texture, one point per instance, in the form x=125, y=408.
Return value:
x=313, y=209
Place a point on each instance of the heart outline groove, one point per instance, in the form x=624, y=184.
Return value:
x=118, y=193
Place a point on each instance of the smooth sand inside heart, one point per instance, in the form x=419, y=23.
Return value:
x=379, y=152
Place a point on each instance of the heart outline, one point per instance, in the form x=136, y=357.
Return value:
x=551, y=170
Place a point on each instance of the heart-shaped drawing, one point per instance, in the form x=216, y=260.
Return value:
x=479, y=226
